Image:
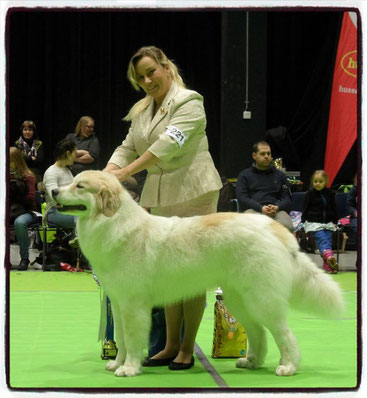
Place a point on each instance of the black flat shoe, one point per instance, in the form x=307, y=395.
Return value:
x=23, y=265
x=180, y=365
x=148, y=362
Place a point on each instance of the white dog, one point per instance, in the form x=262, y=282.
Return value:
x=143, y=261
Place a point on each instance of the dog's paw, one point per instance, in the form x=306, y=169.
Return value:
x=127, y=371
x=112, y=365
x=285, y=370
x=248, y=363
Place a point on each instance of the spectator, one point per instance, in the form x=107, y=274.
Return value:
x=22, y=195
x=264, y=189
x=59, y=175
x=88, y=147
x=319, y=218
x=32, y=148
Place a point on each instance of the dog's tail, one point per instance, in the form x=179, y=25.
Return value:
x=314, y=290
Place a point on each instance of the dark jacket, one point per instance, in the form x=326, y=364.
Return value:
x=90, y=144
x=319, y=206
x=256, y=188
x=351, y=201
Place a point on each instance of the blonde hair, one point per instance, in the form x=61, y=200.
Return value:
x=81, y=123
x=322, y=173
x=16, y=156
x=160, y=58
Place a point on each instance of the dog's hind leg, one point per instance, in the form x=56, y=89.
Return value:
x=257, y=345
x=256, y=333
x=136, y=322
x=289, y=349
x=270, y=314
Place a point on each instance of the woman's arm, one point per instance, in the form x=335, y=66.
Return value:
x=50, y=182
x=143, y=162
x=84, y=157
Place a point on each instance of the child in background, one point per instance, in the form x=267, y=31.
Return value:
x=319, y=217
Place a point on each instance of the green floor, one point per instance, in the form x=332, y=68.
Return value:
x=53, y=342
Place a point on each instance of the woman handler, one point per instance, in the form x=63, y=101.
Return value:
x=167, y=138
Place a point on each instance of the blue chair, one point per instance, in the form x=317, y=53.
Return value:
x=340, y=199
x=297, y=200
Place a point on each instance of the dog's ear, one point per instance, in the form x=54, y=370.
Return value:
x=109, y=200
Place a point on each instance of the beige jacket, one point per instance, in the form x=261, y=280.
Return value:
x=177, y=136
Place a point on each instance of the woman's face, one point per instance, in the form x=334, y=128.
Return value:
x=27, y=132
x=153, y=78
x=319, y=182
x=87, y=129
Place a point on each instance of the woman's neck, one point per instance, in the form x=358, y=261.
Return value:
x=61, y=163
x=29, y=141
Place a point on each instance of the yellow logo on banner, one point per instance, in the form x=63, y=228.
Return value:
x=349, y=63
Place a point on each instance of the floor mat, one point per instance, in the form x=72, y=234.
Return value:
x=53, y=343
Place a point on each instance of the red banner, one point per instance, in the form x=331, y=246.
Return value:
x=342, y=125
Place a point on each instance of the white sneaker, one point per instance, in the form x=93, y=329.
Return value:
x=37, y=266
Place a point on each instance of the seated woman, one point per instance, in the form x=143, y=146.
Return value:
x=22, y=194
x=32, y=148
x=88, y=147
x=59, y=175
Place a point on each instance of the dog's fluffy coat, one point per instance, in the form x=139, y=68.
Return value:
x=143, y=261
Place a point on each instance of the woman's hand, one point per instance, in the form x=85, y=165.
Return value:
x=121, y=174
x=143, y=162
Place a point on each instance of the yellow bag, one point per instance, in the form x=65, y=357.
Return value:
x=229, y=337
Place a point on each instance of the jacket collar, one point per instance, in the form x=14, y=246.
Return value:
x=269, y=170
x=164, y=108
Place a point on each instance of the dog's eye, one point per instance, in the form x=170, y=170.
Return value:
x=79, y=185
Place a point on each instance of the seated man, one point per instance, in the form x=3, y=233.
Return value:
x=264, y=189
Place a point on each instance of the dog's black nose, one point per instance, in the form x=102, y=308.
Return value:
x=55, y=192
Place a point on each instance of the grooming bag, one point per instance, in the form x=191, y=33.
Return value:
x=229, y=337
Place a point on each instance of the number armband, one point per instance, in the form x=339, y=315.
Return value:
x=175, y=133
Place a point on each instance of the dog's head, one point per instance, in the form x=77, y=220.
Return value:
x=91, y=193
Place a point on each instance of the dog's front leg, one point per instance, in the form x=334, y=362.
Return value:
x=136, y=322
x=114, y=364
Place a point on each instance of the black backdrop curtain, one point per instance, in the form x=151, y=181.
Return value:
x=62, y=65
x=302, y=59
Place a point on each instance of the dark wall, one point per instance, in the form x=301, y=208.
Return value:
x=65, y=64
x=239, y=134
x=301, y=53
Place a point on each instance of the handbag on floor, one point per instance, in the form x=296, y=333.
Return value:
x=229, y=337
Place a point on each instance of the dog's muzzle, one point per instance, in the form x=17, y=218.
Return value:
x=63, y=208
